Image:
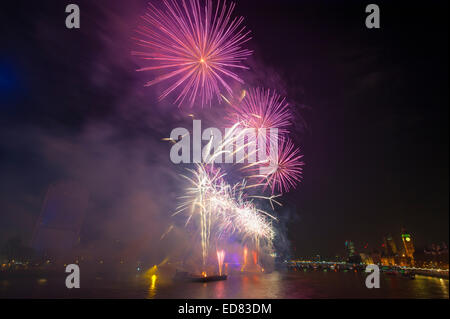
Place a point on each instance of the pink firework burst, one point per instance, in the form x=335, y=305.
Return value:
x=196, y=48
x=282, y=170
x=263, y=109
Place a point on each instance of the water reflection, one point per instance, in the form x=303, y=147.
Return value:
x=444, y=286
x=152, y=290
x=219, y=290
x=295, y=285
x=42, y=281
x=304, y=285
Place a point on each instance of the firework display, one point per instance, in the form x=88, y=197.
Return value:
x=196, y=49
x=223, y=210
x=209, y=152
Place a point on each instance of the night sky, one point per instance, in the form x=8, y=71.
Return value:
x=372, y=121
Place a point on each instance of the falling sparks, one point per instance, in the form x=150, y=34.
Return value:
x=223, y=209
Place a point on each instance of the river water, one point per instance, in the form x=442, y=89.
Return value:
x=288, y=285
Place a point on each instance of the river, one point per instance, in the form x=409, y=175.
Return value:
x=288, y=285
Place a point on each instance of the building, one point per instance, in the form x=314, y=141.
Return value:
x=408, y=245
x=352, y=255
x=408, y=249
x=391, y=246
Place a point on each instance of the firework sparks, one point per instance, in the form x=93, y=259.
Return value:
x=220, y=259
x=244, y=258
x=198, y=47
x=252, y=223
x=282, y=170
x=224, y=210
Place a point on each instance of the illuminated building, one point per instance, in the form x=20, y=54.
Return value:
x=390, y=254
x=408, y=247
x=350, y=248
x=366, y=259
x=435, y=256
x=391, y=246
x=353, y=256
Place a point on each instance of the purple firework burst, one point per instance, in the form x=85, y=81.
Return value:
x=195, y=48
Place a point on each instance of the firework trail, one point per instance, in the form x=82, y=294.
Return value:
x=244, y=263
x=200, y=200
x=198, y=48
x=220, y=259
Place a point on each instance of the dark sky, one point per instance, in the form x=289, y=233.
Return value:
x=372, y=106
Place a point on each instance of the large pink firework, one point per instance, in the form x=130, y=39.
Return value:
x=262, y=109
x=282, y=170
x=195, y=48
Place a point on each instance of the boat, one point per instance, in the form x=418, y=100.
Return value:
x=185, y=276
x=208, y=278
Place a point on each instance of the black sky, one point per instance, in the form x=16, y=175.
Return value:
x=374, y=107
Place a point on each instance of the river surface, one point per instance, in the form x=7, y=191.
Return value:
x=302, y=285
